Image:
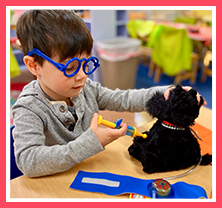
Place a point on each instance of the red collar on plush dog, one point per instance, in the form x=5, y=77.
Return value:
x=172, y=126
x=175, y=127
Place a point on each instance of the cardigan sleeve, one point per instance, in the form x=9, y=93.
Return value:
x=132, y=100
x=34, y=158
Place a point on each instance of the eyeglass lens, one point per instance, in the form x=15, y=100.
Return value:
x=73, y=66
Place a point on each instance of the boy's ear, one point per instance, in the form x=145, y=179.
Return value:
x=31, y=64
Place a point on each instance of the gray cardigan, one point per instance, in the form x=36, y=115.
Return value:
x=44, y=142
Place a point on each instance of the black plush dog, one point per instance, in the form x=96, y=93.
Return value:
x=170, y=143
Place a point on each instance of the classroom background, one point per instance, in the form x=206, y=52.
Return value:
x=139, y=49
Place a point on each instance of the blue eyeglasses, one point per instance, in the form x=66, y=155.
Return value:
x=72, y=67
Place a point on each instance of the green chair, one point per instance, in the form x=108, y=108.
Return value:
x=140, y=29
x=172, y=54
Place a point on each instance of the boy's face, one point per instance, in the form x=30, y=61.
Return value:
x=56, y=85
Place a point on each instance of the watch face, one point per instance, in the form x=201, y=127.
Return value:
x=160, y=188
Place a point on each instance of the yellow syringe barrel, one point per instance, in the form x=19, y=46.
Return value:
x=106, y=123
x=131, y=131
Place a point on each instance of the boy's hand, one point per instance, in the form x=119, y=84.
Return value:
x=106, y=135
x=186, y=88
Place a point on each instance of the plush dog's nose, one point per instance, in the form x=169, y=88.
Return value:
x=198, y=97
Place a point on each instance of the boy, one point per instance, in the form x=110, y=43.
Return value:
x=56, y=116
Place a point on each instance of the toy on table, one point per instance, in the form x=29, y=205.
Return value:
x=131, y=131
x=158, y=188
x=114, y=184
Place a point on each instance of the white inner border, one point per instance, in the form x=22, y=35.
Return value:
x=8, y=8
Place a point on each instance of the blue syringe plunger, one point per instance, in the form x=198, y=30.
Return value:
x=131, y=131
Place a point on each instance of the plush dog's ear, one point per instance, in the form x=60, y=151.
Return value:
x=179, y=88
x=193, y=93
x=156, y=104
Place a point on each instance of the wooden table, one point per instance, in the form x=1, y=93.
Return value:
x=115, y=159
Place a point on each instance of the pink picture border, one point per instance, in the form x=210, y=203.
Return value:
x=4, y=113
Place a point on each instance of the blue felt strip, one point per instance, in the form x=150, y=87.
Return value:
x=112, y=184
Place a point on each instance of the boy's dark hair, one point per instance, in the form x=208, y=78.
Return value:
x=53, y=32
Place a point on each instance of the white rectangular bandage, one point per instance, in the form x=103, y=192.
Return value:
x=99, y=181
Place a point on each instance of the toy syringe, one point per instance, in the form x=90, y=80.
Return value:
x=131, y=131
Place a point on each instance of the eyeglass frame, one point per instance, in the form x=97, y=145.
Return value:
x=62, y=67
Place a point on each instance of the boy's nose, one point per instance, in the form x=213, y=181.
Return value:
x=80, y=74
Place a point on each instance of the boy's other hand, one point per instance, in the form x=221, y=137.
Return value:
x=106, y=135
